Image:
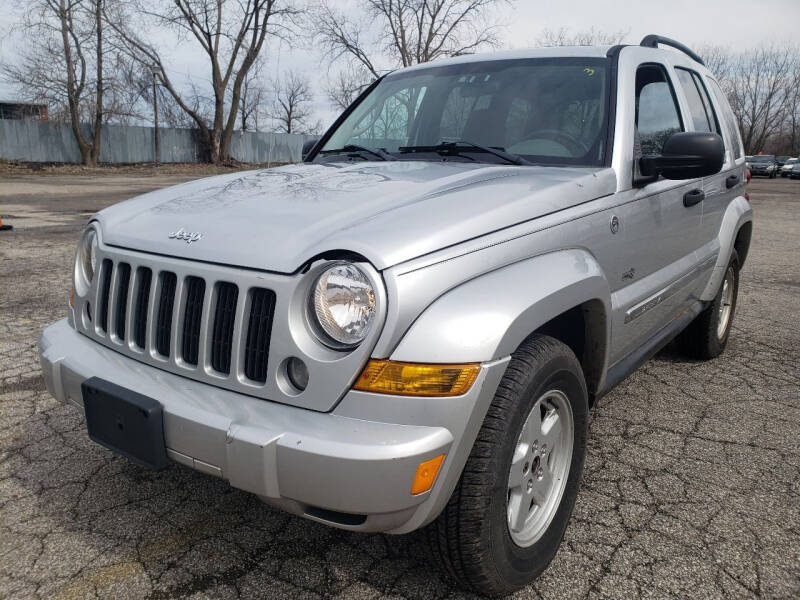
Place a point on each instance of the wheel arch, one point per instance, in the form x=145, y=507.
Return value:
x=742, y=242
x=735, y=232
x=583, y=329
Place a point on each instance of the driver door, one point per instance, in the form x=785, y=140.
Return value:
x=660, y=231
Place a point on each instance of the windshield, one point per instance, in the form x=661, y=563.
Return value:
x=547, y=111
x=762, y=159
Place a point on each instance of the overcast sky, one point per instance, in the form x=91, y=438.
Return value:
x=734, y=23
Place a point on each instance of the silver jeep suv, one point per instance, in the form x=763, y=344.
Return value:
x=409, y=328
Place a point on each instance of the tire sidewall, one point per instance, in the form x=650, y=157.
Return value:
x=721, y=343
x=513, y=562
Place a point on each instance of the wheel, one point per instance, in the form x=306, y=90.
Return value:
x=707, y=335
x=508, y=513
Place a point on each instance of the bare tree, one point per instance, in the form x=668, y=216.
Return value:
x=345, y=86
x=406, y=32
x=587, y=37
x=63, y=64
x=252, y=105
x=791, y=131
x=231, y=33
x=761, y=86
x=291, y=107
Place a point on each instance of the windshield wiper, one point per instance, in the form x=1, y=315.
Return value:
x=379, y=152
x=455, y=148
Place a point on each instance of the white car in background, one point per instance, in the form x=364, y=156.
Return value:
x=786, y=169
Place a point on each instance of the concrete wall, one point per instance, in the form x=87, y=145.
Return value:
x=42, y=141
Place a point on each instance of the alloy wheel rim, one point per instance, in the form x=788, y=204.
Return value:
x=539, y=468
x=725, y=304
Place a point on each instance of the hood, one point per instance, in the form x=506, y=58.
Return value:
x=389, y=212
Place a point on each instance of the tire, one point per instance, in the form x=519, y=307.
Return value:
x=705, y=338
x=471, y=540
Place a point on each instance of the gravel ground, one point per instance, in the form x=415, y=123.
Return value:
x=691, y=485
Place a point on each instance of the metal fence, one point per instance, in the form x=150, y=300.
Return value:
x=42, y=141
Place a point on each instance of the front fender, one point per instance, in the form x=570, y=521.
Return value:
x=488, y=317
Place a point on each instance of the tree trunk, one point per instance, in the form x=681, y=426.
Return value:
x=72, y=95
x=94, y=155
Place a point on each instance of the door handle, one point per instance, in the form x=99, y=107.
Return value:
x=692, y=197
x=731, y=181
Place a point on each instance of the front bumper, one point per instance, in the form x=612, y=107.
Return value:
x=352, y=467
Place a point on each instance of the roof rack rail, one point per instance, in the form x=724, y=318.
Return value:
x=653, y=40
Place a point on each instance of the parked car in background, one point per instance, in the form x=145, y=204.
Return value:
x=795, y=173
x=764, y=165
x=409, y=328
x=781, y=160
x=786, y=169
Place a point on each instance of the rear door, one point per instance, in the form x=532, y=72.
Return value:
x=731, y=181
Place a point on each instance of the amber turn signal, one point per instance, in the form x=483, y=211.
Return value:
x=426, y=475
x=414, y=379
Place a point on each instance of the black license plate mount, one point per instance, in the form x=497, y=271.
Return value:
x=126, y=422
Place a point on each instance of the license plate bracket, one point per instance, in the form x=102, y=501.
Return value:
x=126, y=422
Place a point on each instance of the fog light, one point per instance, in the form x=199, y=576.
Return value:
x=426, y=475
x=297, y=371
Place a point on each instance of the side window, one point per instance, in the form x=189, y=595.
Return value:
x=709, y=106
x=657, y=115
x=727, y=115
x=702, y=120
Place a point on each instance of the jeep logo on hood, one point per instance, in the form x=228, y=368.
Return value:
x=188, y=236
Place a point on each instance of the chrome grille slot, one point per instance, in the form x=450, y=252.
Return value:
x=105, y=290
x=123, y=285
x=192, y=319
x=224, y=317
x=164, y=319
x=144, y=278
x=256, y=350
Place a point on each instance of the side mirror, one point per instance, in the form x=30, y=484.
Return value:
x=686, y=155
x=307, y=148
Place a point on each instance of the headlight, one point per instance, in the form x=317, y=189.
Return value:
x=86, y=260
x=342, y=305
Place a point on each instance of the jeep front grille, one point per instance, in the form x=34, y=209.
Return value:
x=226, y=326
x=193, y=316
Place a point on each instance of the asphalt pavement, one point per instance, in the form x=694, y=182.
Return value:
x=691, y=486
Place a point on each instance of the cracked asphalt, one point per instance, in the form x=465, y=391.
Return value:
x=691, y=486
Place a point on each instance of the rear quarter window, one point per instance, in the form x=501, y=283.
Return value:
x=699, y=107
x=731, y=123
